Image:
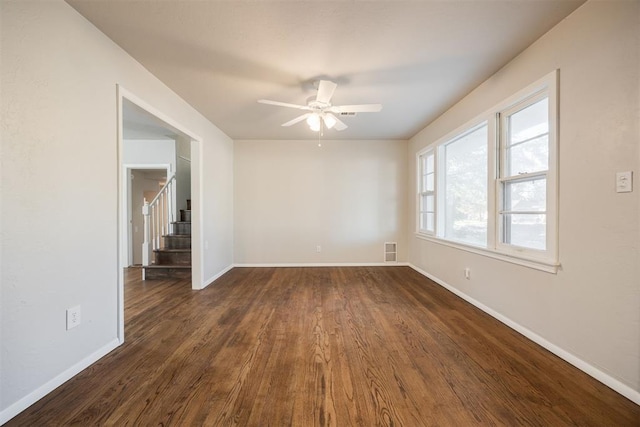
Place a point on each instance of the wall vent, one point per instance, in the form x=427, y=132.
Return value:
x=390, y=252
x=348, y=113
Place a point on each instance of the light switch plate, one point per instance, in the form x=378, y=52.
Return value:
x=624, y=182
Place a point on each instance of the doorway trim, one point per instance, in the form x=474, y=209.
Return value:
x=196, y=196
x=127, y=204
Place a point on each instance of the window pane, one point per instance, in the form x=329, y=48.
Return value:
x=423, y=203
x=429, y=164
x=525, y=230
x=427, y=221
x=427, y=172
x=465, y=198
x=528, y=157
x=428, y=184
x=430, y=221
x=427, y=212
x=526, y=195
x=529, y=122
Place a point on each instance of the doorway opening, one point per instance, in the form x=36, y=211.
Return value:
x=153, y=150
x=143, y=182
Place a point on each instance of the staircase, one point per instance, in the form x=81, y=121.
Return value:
x=173, y=259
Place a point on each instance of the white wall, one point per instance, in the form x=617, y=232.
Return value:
x=590, y=309
x=60, y=158
x=149, y=152
x=215, y=166
x=291, y=196
x=183, y=172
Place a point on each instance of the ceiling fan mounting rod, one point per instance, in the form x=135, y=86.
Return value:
x=318, y=105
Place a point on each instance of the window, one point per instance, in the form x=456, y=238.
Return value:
x=490, y=186
x=523, y=176
x=426, y=193
x=464, y=187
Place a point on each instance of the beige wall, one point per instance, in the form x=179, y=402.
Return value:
x=291, y=196
x=590, y=309
x=59, y=192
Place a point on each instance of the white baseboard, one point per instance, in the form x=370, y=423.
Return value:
x=31, y=398
x=606, y=379
x=216, y=276
x=327, y=264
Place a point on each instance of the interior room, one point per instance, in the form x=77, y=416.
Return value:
x=400, y=212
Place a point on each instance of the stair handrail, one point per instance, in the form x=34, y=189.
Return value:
x=158, y=218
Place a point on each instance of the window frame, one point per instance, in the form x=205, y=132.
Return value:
x=545, y=260
x=547, y=87
x=424, y=192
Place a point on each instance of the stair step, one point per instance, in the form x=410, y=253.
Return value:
x=177, y=241
x=174, y=260
x=167, y=272
x=172, y=256
x=182, y=228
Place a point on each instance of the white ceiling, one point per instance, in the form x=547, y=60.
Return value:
x=417, y=58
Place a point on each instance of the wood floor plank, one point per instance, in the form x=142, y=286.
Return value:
x=348, y=346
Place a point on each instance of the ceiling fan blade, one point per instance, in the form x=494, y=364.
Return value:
x=362, y=108
x=339, y=124
x=296, y=120
x=283, y=104
x=325, y=91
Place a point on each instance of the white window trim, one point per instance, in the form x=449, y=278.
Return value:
x=545, y=87
x=540, y=260
x=426, y=152
x=541, y=264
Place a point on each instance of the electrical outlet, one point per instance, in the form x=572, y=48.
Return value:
x=467, y=273
x=73, y=317
x=318, y=248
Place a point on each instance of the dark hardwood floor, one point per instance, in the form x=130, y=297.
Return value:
x=362, y=346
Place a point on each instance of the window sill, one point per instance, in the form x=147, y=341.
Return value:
x=536, y=264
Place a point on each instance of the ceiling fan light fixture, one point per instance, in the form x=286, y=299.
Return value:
x=329, y=120
x=314, y=122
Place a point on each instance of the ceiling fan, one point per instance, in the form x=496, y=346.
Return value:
x=320, y=110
